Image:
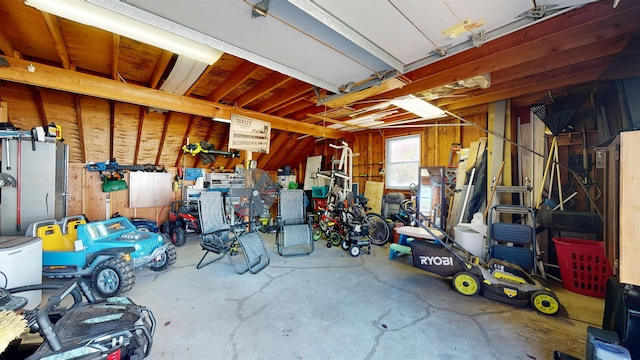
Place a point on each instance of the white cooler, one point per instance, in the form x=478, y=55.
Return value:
x=21, y=263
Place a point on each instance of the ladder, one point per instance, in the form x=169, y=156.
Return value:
x=524, y=192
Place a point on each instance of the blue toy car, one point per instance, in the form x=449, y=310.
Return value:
x=107, y=251
x=142, y=224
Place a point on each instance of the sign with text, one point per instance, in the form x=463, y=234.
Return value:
x=249, y=134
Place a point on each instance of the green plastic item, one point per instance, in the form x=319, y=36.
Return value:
x=114, y=185
x=293, y=185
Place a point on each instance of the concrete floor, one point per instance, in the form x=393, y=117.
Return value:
x=330, y=305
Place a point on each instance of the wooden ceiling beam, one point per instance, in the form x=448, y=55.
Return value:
x=5, y=45
x=37, y=99
x=141, y=115
x=552, y=83
x=58, y=40
x=79, y=83
x=474, y=61
x=237, y=77
x=192, y=120
x=292, y=108
x=276, y=143
x=271, y=82
x=305, y=148
x=115, y=57
x=538, y=69
x=165, y=129
x=543, y=32
x=292, y=92
x=112, y=130
x=78, y=106
x=201, y=78
x=281, y=158
x=160, y=68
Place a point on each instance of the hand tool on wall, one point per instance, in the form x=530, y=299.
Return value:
x=8, y=157
x=18, y=189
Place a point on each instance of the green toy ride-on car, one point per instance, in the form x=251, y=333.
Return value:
x=109, y=252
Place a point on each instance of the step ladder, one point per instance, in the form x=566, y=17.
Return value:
x=524, y=192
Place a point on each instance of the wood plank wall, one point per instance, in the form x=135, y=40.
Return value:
x=86, y=197
x=436, y=145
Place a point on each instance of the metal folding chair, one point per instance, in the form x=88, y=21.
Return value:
x=220, y=238
x=294, y=233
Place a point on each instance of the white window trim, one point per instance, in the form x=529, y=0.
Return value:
x=399, y=138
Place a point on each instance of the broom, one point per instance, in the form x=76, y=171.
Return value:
x=12, y=325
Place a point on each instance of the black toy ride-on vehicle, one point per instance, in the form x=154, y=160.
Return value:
x=112, y=328
x=183, y=219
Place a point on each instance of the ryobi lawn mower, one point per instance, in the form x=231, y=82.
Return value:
x=495, y=279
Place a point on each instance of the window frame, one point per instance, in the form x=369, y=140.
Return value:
x=388, y=161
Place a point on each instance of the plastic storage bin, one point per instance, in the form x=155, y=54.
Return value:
x=583, y=267
x=319, y=192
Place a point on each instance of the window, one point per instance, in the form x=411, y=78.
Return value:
x=403, y=161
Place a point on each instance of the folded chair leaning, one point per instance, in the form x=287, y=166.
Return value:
x=245, y=250
x=294, y=233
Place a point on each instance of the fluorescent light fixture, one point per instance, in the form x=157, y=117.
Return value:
x=226, y=121
x=419, y=107
x=93, y=15
x=184, y=74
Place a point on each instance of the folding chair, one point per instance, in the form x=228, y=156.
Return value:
x=294, y=233
x=391, y=204
x=221, y=239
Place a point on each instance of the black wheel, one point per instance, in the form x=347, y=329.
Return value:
x=144, y=228
x=378, y=229
x=165, y=260
x=465, y=283
x=113, y=277
x=328, y=244
x=335, y=238
x=545, y=302
x=178, y=236
x=354, y=251
x=165, y=228
x=345, y=245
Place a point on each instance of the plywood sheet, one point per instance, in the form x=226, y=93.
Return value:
x=629, y=208
x=374, y=190
x=149, y=189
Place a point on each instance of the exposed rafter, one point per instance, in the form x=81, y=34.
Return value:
x=58, y=39
x=115, y=75
x=242, y=73
x=75, y=82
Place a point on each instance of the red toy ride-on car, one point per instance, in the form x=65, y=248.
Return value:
x=183, y=219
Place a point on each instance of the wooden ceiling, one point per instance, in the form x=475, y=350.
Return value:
x=103, y=88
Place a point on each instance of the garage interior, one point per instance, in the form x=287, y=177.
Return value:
x=106, y=107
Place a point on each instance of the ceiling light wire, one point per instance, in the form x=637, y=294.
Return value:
x=460, y=21
x=414, y=25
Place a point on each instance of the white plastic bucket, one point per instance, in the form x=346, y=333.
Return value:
x=605, y=351
x=469, y=239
